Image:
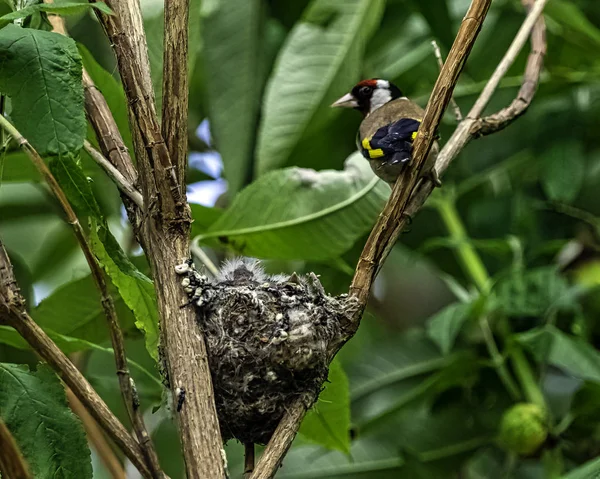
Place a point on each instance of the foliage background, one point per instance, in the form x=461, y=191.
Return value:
x=424, y=394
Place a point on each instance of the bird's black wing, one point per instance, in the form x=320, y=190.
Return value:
x=393, y=141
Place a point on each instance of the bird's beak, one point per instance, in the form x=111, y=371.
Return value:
x=347, y=101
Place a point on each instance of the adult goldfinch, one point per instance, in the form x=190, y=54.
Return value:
x=390, y=125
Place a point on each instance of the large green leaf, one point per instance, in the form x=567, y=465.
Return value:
x=67, y=8
x=136, y=289
x=329, y=39
x=41, y=73
x=328, y=422
x=50, y=436
x=75, y=310
x=563, y=171
x=69, y=174
x=232, y=49
x=299, y=213
x=113, y=94
x=573, y=356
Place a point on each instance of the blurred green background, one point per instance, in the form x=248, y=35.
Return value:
x=426, y=386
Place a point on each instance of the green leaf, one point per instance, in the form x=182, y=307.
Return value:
x=530, y=293
x=443, y=327
x=204, y=217
x=232, y=49
x=113, y=94
x=571, y=355
x=75, y=184
x=310, y=215
x=17, y=167
x=563, y=171
x=41, y=73
x=437, y=16
x=328, y=41
x=569, y=15
x=328, y=422
x=135, y=288
x=51, y=438
x=75, y=310
x=58, y=9
x=589, y=470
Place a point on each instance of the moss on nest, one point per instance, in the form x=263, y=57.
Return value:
x=268, y=341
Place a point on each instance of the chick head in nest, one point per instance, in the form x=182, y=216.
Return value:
x=268, y=341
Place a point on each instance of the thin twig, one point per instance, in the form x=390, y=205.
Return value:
x=125, y=381
x=124, y=185
x=248, y=459
x=12, y=462
x=203, y=257
x=13, y=313
x=164, y=235
x=96, y=438
x=440, y=61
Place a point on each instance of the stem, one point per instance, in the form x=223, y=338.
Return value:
x=474, y=268
x=125, y=381
x=469, y=258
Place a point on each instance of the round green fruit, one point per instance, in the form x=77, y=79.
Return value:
x=523, y=428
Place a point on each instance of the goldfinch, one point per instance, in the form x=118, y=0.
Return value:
x=390, y=125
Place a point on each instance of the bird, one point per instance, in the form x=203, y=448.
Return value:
x=389, y=127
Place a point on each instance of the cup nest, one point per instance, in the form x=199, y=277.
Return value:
x=268, y=339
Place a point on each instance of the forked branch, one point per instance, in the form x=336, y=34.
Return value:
x=406, y=199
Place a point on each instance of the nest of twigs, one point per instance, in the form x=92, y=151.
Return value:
x=269, y=342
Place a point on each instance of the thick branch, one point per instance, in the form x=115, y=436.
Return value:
x=175, y=84
x=165, y=237
x=13, y=313
x=12, y=462
x=125, y=381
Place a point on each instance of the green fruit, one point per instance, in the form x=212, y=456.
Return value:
x=523, y=428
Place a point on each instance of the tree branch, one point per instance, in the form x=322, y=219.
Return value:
x=125, y=380
x=165, y=237
x=13, y=313
x=12, y=462
x=175, y=84
x=405, y=198
x=391, y=220
x=127, y=188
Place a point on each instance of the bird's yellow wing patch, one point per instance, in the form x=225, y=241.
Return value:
x=377, y=153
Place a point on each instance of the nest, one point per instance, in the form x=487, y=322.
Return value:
x=269, y=342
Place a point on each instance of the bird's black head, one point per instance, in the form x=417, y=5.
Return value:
x=368, y=95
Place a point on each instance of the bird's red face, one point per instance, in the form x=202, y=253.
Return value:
x=368, y=95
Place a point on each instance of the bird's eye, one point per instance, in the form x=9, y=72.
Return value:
x=365, y=90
